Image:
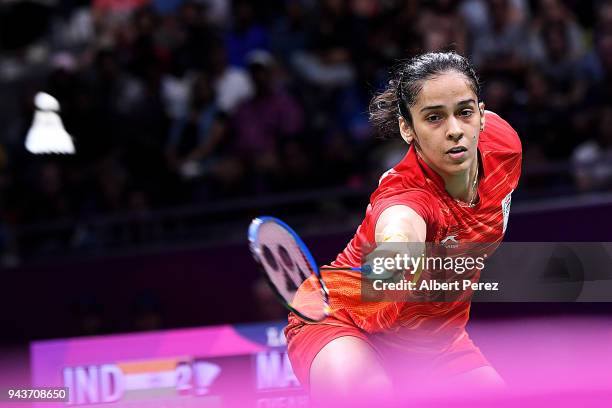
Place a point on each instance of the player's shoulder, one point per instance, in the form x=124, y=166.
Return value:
x=389, y=184
x=406, y=174
x=402, y=182
x=498, y=135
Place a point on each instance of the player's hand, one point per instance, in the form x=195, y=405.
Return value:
x=392, y=260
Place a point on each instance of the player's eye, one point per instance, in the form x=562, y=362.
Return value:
x=433, y=118
x=466, y=113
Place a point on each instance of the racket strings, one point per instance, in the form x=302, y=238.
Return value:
x=282, y=256
x=289, y=270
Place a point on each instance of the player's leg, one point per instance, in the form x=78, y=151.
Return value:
x=464, y=368
x=348, y=369
x=337, y=358
x=484, y=378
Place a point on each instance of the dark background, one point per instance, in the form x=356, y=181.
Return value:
x=192, y=117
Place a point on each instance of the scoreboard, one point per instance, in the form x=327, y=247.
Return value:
x=221, y=366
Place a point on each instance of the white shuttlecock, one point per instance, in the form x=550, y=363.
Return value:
x=47, y=134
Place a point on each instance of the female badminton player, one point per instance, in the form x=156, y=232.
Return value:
x=454, y=183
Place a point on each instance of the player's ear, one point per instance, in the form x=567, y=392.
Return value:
x=481, y=108
x=406, y=130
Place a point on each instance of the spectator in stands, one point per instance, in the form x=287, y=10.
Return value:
x=196, y=138
x=442, y=25
x=195, y=36
x=540, y=123
x=289, y=32
x=554, y=13
x=232, y=84
x=499, y=96
x=597, y=65
x=557, y=46
x=264, y=121
x=125, y=6
x=593, y=159
x=246, y=34
x=502, y=48
x=476, y=13
x=560, y=68
x=141, y=54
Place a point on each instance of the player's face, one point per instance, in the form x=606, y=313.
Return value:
x=446, y=123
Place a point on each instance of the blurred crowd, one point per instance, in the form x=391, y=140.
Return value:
x=193, y=101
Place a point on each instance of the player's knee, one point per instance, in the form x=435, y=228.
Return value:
x=348, y=368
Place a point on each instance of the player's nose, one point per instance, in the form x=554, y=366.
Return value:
x=454, y=131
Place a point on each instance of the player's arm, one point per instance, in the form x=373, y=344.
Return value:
x=400, y=223
x=396, y=225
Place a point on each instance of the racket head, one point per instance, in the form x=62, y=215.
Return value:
x=289, y=267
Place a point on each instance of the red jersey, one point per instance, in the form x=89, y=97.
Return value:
x=412, y=183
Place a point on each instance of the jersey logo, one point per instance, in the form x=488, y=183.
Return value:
x=450, y=241
x=505, y=204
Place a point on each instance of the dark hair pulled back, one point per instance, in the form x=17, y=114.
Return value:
x=406, y=84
